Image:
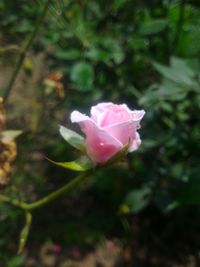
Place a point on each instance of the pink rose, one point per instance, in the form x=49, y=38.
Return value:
x=109, y=128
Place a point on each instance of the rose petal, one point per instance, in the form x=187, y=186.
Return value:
x=115, y=115
x=100, y=145
x=77, y=116
x=97, y=110
x=125, y=131
x=135, y=143
x=137, y=114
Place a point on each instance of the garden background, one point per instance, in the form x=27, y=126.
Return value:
x=60, y=55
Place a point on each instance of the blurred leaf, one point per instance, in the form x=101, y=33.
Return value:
x=182, y=66
x=174, y=74
x=68, y=54
x=153, y=26
x=98, y=55
x=115, y=50
x=82, y=74
x=82, y=164
x=16, y=261
x=74, y=139
x=169, y=90
x=177, y=170
x=137, y=199
x=178, y=79
x=148, y=144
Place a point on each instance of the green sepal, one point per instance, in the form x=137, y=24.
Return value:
x=118, y=155
x=74, y=139
x=80, y=165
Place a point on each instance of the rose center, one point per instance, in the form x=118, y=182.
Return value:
x=116, y=115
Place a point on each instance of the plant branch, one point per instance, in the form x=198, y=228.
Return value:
x=43, y=201
x=38, y=204
x=57, y=193
x=25, y=232
x=13, y=202
x=24, y=51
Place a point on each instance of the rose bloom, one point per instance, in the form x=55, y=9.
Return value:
x=109, y=128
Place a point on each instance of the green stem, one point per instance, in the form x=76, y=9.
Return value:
x=24, y=51
x=38, y=204
x=179, y=26
x=25, y=232
x=13, y=202
x=48, y=198
x=56, y=194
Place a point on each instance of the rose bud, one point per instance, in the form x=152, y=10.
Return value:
x=109, y=128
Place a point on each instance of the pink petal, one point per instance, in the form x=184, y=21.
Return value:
x=77, y=116
x=115, y=115
x=124, y=132
x=136, y=143
x=100, y=145
x=84, y=121
x=137, y=115
x=97, y=110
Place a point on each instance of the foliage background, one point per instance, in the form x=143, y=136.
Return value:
x=143, y=53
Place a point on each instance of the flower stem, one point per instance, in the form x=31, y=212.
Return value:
x=13, y=202
x=25, y=232
x=24, y=51
x=38, y=204
x=57, y=193
x=43, y=201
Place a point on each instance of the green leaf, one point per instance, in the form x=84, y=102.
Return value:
x=80, y=165
x=136, y=200
x=182, y=65
x=174, y=74
x=98, y=55
x=82, y=74
x=114, y=49
x=172, y=91
x=68, y=55
x=153, y=26
x=74, y=139
x=15, y=261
